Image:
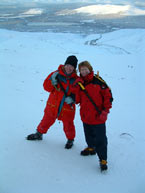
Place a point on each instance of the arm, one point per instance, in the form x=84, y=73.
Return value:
x=75, y=89
x=107, y=102
x=48, y=86
x=107, y=98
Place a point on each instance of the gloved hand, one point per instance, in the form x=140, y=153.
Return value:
x=53, y=78
x=103, y=116
x=78, y=80
x=69, y=100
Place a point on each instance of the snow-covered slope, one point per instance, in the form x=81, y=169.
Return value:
x=42, y=167
x=106, y=10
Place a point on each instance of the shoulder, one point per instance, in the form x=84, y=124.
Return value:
x=99, y=81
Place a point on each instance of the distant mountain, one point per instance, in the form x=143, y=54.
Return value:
x=105, y=10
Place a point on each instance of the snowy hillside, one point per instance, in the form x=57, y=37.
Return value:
x=45, y=166
x=106, y=9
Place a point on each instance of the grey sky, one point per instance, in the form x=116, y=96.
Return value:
x=72, y=1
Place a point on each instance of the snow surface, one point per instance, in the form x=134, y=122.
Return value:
x=45, y=166
x=105, y=10
x=29, y=13
x=111, y=9
x=33, y=12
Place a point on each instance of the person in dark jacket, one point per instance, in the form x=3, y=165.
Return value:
x=93, y=116
x=61, y=102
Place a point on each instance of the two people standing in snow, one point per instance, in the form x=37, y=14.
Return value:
x=66, y=89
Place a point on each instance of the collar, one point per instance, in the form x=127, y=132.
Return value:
x=88, y=78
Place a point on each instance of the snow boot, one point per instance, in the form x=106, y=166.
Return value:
x=103, y=165
x=35, y=136
x=69, y=144
x=88, y=151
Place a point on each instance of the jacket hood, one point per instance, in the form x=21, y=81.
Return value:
x=62, y=72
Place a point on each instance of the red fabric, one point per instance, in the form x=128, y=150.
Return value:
x=49, y=119
x=51, y=110
x=88, y=78
x=103, y=116
x=101, y=96
x=78, y=80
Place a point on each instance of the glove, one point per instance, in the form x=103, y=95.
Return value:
x=103, y=116
x=53, y=78
x=78, y=80
x=69, y=100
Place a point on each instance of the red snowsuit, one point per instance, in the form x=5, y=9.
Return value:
x=56, y=107
x=101, y=95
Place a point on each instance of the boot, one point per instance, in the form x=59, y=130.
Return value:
x=69, y=144
x=88, y=151
x=103, y=165
x=35, y=136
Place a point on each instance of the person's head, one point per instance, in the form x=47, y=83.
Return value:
x=85, y=68
x=70, y=64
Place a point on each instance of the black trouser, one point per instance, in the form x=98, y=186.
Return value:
x=95, y=136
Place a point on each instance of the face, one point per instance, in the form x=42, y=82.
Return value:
x=84, y=71
x=69, y=68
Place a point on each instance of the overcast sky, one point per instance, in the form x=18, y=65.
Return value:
x=136, y=2
x=65, y=1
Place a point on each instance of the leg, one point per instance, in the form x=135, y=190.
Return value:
x=101, y=141
x=89, y=135
x=46, y=122
x=69, y=129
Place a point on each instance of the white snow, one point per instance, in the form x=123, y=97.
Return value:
x=45, y=166
x=29, y=13
x=33, y=12
x=105, y=10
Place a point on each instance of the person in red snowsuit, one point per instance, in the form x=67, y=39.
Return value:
x=61, y=102
x=93, y=116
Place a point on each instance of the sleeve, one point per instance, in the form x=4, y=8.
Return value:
x=107, y=98
x=76, y=91
x=47, y=85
